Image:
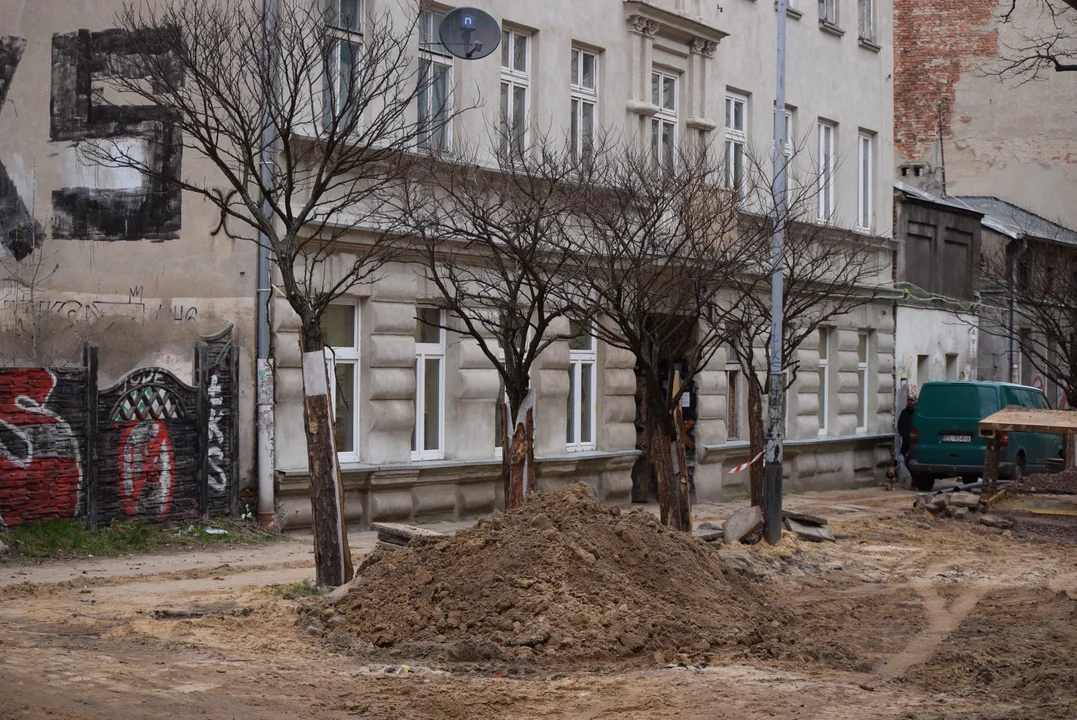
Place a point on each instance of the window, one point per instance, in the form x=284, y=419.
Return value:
x=435, y=84
x=584, y=91
x=787, y=150
x=864, y=19
x=864, y=172
x=515, y=87
x=664, y=123
x=828, y=11
x=580, y=428
x=923, y=369
x=824, y=379
x=736, y=139
x=427, y=439
x=826, y=170
x=951, y=367
x=862, y=382
x=340, y=336
x=345, y=19
x=732, y=422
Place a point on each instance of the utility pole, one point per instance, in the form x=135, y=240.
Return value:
x=772, y=479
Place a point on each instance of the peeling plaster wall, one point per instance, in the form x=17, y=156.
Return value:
x=130, y=265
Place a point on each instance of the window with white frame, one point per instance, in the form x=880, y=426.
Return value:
x=340, y=336
x=435, y=84
x=865, y=19
x=824, y=379
x=345, y=19
x=499, y=407
x=428, y=436
x=787, y=151
x=828, y=11
x=865, y=141
x=736, y=140
x=664, y=122
x=825, y=169
x=584, y=91
x=582, y=354
x=862, y=382
x=515, y=90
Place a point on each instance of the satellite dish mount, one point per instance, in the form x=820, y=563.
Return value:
x=469, y=33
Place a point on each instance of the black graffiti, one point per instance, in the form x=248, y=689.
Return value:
x=151, y=211
x=19, y=232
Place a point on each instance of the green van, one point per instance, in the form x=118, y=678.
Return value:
x=945, y=438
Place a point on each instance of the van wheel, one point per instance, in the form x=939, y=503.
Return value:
x=1019, y=468
x=924, y=483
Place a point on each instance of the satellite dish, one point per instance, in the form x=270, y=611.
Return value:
x=469, y=33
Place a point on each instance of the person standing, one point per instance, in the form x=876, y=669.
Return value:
x=904, y=428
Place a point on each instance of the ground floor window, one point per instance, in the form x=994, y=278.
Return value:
x=580, y=427
x=428, y=436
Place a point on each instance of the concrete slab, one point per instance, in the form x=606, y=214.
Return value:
x=804, y=517
x=811, y=533
x=743, y=523
x=965, y=499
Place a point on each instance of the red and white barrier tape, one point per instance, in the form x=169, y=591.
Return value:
x=744, y=466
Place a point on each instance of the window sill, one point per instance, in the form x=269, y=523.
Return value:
x=571, y=449
x=869, y=45
x=829, y=27
x=642, y=108
x=700, y=124
x=790, y=12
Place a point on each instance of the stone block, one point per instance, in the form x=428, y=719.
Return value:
x=477, y=497
x=394, y=505
x=743, y=523
x=965, y=499
x=435, y=500
x=804, y=518
x=811, y=533
x=960, y=513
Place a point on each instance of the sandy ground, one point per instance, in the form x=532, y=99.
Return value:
x=929, y=618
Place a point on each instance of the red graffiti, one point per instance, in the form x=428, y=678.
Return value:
x=40, y=470
x=146, y=469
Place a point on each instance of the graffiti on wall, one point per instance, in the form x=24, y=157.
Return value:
x=159, y=449
x=78, y=113
x=19, y=233
x=42, y=419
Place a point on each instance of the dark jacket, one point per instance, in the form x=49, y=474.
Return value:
x=904, y=427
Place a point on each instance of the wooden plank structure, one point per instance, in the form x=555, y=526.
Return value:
x=1015, y=419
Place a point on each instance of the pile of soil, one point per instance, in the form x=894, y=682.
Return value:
x=562, y=580
x=1060, y=483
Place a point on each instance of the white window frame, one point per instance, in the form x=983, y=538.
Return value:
x=828, y=11
x=787, y=151
x=736, y=138
x=423, y=352
x=863, y=342
x=824, y=380
x=582, y=96
x=341, y=35
x=865, y=176
x=865, y=19
x=825, y=169
x=434, y=55
x=577, y=359
x=665, y=116
x=346, y=355
x=514, y=78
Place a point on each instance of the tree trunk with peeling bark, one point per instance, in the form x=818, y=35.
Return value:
x=521, y=455
x=756, y=440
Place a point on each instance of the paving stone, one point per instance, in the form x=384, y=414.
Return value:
x=941, y=500
x=744, y=522
x=812, y=533
x=804, y=517
x=960, y=513
x=965, y=499
x=708, y=534
x=996, y=522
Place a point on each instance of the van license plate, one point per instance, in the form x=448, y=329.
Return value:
x=957, y=438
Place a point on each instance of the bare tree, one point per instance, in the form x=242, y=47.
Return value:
x=828, y=271
x=330, y=100
x=1045, y=38
x=659, y=260
x=1036, y=303
x=496, y=232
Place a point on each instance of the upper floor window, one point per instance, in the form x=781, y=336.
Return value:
x=825, y=162
x=582, y=380
x=865, y=19
x=343, y=58
x=864, y=180
x=862, y=340
x=340, y=336
x=824, y=380
x=428, y=436
x=515, y=90
x=584, y=91
x=435, y=84
x=736, y=140
x=828, y=11
x=664, y=122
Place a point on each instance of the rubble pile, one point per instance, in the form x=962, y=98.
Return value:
x=966, y=506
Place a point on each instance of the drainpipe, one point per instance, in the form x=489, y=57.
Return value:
x=265, y=363
x=1014, y=371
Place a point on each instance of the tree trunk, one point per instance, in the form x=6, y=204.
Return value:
x=521, y=453
x=756, y=440
x=683, y=507
x=643, y=469
x=506, y=452
x=673, y=503
x=332, y=557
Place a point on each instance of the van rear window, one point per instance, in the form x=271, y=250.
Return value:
x=947, y=401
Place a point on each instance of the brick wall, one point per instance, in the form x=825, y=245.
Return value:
x=935, y=41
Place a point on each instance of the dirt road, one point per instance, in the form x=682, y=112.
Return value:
x=907, y=617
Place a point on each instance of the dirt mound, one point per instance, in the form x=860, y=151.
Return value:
x=562, y=579
x=1060, y=483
